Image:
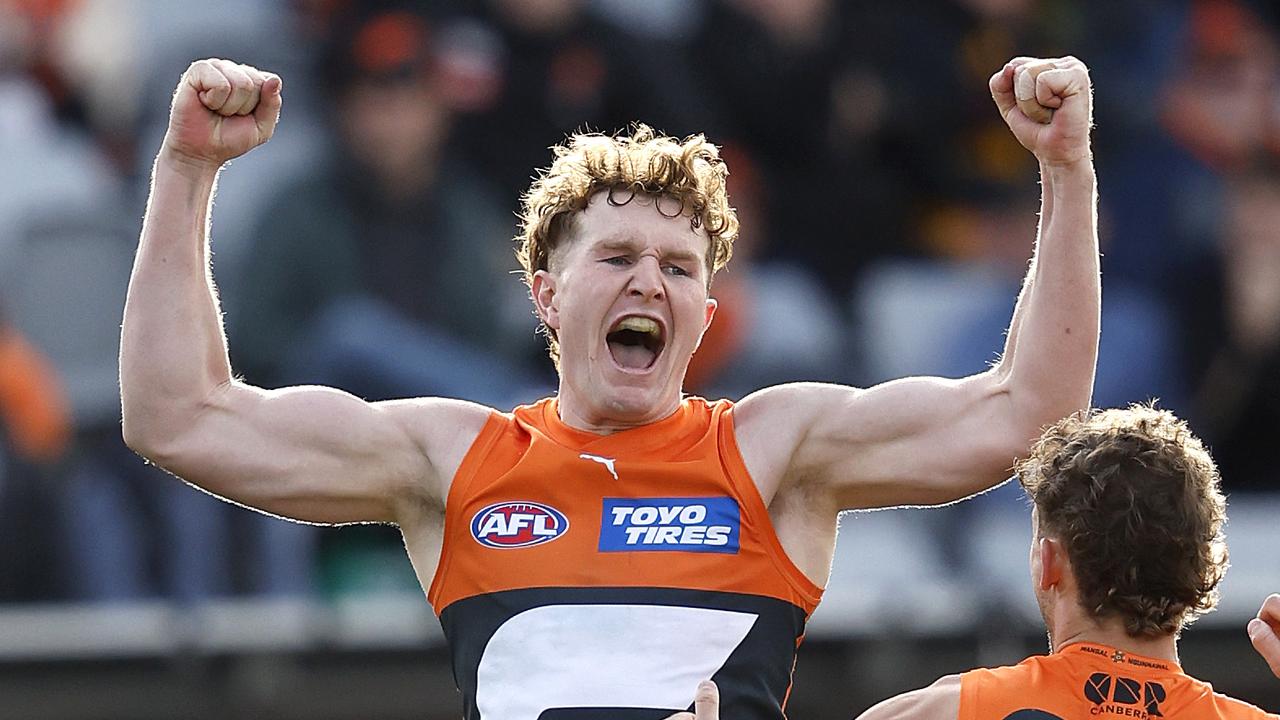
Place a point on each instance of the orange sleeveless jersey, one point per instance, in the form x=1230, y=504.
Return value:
x=1084, y=680
x=602, y=576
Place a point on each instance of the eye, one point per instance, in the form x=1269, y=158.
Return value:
x=619, y=260
x=678, y=271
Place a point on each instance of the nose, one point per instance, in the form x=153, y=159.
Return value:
x=646, y=279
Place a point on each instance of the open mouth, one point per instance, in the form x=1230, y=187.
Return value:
x=635, y=342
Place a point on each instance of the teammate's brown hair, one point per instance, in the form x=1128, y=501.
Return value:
x=689, y=173
x=1135, y=498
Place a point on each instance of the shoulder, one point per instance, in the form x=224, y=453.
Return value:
x=939, y=701
x=790, y=408
x=1230, y=708
x=994, y=678
x=1047, y=684
x=443, y=429
x=770, y=425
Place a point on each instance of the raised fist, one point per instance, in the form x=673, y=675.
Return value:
x=221, y=110
x=1048, y=104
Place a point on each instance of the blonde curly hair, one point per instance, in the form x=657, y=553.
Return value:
x=1135, y=499
x=642, y=161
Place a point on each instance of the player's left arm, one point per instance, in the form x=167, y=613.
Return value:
x=934, y=440
x=939, y=701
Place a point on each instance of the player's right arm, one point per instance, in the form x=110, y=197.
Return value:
x=308, y=453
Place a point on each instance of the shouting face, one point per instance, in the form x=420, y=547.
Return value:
x=626, y=295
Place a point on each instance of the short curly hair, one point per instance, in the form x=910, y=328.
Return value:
x=642, y=160
x=1135, y=498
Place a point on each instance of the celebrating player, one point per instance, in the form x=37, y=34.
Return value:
x=569, y=544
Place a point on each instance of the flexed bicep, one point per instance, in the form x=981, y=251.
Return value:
x=321, y=455
x=914, y=441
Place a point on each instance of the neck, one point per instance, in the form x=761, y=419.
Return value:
x=606, y=418
x=1111, y=632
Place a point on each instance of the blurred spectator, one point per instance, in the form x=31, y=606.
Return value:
x=762, y=60
x=560, y=69
x=97, y=524
x=1215, y=109
x=771, y=69
x=1235, y=323
x=381, y=270
x=35, y=430
x=33, y=408
x=1222, y=104
x=776, y=323
x=49, y=158
x=1196, y=216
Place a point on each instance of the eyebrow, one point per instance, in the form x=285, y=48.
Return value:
x=628, y=245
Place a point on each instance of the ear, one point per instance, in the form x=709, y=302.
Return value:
x=545, y=300
x=1053, y=561
x=709, y=315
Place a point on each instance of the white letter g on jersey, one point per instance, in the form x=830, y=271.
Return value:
x=606, y=656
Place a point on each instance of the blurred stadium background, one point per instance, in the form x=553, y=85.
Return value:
x=887, y=219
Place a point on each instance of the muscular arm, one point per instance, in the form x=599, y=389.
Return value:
x=934, y=440
x=313, y=454
x=939, y=701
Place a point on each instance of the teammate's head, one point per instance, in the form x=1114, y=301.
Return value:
x=680, y=180
x=1132, y=498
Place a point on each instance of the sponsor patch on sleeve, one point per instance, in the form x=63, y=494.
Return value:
x=694, y=524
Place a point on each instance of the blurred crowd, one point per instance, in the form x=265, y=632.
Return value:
x=887, y=219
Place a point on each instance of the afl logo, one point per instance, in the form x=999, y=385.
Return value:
x=518, y=524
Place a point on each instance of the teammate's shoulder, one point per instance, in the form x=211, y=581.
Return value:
x=1230, y=708
x=1019, y=674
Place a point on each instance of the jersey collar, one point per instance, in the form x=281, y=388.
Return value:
x=1121, y=658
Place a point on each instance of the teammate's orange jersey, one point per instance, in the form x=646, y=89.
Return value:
x=587, y=576
x=1085, y=680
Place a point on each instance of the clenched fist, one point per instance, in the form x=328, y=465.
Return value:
x=221, y=110
x=1048, y=104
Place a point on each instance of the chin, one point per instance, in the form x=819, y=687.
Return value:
x=633, y=403
x=636, y=400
